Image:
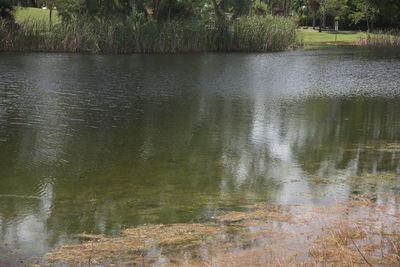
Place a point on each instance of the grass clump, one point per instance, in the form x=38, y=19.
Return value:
x=263, y=33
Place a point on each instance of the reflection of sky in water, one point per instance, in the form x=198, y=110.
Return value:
x=99, y=143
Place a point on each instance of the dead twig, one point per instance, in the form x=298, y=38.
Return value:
x=360, y=252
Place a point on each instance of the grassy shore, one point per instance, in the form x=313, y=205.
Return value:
x=254, y=34
x=34, y=15
x=310, y=37
x=145, y=35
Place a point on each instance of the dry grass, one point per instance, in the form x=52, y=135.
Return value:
x=133, y=244
x=254, y=213
x=381, y=38
x=357, y=232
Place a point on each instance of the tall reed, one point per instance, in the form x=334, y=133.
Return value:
x=389, y=38
x=149, y=36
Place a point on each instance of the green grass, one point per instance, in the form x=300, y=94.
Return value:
x=313, y=37
x=35, y=15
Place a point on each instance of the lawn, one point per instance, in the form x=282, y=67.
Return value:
x=34, y=14
x=311, y=37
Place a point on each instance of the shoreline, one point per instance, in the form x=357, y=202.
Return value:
x=300, y=47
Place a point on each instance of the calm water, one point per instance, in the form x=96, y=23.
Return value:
x=96, y=144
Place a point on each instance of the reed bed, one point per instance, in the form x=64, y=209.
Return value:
x=382, y=39
x=261, y=34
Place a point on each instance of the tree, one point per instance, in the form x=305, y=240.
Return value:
x=298, y=6
x=96, y=9
x=6, y=10
x=366, y=10
x=217, y=12
x=323, y=5
x=389, y=13
x=314, y=4
x=50, y=4
x=338, y=8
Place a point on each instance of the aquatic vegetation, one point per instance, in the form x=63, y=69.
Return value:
x=364, y=181
x=375, y=147
x=355, y=232
x=134, y=243
x=319, y=180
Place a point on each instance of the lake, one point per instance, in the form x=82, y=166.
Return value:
x=99, y=143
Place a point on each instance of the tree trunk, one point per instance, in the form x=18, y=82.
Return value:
x=169, y=9
x=324, y=14
x=313, y=21
x=133, y=5
x=285, y=8
x=314, y=6
x=156, y=7
x=251, y=8
x=50, y=15
x=216, y=11
x=320, y=23
x=221, y=5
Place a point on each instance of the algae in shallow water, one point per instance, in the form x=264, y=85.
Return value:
x=385, y=178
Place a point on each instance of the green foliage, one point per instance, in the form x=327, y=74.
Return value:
x=353, y=14
x=339, y=9
x=366, y=10
x=94, y=9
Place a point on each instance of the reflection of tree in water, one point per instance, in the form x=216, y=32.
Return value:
x=347, y=137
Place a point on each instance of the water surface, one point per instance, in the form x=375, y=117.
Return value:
x=99, y=143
